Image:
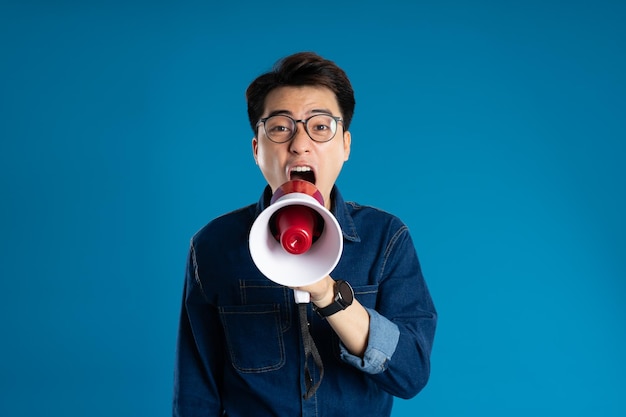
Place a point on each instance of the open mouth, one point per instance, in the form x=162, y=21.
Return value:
x=302, y=173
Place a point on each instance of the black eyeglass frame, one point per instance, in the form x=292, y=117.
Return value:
x=304, y=123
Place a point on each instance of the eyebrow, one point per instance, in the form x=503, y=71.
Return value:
x=289, y=113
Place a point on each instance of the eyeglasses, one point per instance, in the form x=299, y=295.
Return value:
x=282, y=128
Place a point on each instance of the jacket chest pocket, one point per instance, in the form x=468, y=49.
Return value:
x=254, y=337
x=254, y=330
x=264, y=291
x=366, y=294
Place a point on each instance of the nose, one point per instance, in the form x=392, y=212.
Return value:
x=300, y=143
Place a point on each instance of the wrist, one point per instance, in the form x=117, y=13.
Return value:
x=329, y=296
x=343, y=296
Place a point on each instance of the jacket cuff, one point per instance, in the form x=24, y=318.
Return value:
x=382, y=341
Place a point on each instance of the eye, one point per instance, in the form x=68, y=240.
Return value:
x=278, y=128
x=279, y=125
x=321, y=123
x=320, y=127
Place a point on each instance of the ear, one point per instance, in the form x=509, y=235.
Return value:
x=347, y=141
x=255, y=149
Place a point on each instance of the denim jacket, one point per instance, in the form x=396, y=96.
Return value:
x=239, y=350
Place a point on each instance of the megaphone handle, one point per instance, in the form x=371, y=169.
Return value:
x=302, y=297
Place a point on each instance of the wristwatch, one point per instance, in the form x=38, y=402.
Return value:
x=344, y=296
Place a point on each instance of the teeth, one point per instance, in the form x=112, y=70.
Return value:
x=301, y=169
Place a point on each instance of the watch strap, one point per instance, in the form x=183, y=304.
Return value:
x=339, y=303
x=329, y=310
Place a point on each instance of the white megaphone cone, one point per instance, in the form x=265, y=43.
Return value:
x=296, y=241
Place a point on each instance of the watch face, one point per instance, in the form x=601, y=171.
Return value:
x=345, y=290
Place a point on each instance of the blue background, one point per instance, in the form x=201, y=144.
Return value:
x=495, y=130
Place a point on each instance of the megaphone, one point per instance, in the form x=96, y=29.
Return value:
x=296, y=241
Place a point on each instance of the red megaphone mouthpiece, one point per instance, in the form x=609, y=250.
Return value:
x=296, y=228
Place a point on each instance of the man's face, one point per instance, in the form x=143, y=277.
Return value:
x=281, y=162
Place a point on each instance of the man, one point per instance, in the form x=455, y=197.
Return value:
x=241, y=350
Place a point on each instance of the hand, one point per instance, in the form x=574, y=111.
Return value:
x=322, y=292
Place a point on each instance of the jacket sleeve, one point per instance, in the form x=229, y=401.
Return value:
x=196, y=373
x=403, y=302
x=382, y=342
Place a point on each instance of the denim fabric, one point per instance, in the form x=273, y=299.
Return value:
x=382, y=341
x=239, y=350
